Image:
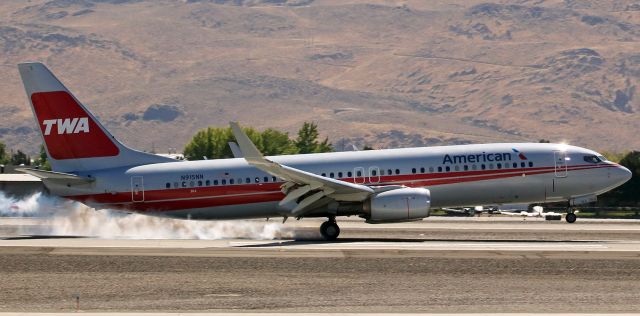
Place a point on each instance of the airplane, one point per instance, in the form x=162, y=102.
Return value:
x=382, y=186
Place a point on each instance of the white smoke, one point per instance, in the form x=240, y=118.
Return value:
x=35, y=205
x=63, y=218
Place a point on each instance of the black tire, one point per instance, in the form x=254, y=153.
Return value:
x=329, y=230
x=570, y=218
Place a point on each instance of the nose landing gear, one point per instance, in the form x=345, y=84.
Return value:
x=571, y=216
x=329, y=229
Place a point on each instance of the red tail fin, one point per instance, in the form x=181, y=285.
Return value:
x=75, y=140
x=69, y=131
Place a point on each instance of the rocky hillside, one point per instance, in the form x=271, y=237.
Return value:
x=379, y=72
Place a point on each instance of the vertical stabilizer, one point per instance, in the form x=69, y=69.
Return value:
x=75, y=140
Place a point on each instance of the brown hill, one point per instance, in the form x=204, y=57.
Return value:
x=384, y=73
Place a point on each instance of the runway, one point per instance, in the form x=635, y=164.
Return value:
x=456, y=265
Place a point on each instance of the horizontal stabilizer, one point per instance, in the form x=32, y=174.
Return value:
x=56, y=176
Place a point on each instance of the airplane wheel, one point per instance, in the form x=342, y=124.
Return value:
x=329, y=230
x=571, y=218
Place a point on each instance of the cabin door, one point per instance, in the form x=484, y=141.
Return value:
x=560, y=163
x=137, y=189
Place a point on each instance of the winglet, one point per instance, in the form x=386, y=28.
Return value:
x=235, y=150
x=248, y=149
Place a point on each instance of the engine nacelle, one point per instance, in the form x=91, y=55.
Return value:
x=398, y=205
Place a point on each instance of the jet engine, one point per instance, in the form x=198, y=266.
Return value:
x=398, y=205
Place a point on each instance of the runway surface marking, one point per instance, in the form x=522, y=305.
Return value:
x=309, y=314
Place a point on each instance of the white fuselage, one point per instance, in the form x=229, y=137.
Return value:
x=464, y=175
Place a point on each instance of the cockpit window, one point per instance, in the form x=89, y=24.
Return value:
x=602, y=158
x=592, y=159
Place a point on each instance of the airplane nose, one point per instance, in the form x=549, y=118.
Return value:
x=623, y=174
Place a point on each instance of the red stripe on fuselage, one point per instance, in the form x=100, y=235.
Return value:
x=201, y=197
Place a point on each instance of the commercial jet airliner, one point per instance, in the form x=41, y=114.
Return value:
x=382, y=186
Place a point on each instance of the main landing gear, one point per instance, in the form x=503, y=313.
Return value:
x=571, y=216
x=330, y=229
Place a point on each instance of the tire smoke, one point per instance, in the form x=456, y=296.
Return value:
x=65, y=218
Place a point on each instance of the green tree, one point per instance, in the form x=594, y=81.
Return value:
x=307, y=141
x=3, y=154
x=43, y=161
x=213, y=143
x=626, y=194
x=275, y=142
x=613, y=156
x=210, y=143
x=19, y=158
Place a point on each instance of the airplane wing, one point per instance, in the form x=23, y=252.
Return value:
x=300, y=183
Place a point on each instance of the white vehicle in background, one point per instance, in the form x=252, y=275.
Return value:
x=537, y=211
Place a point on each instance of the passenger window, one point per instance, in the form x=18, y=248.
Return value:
x=397, y=171
x=247, y=180
x=373, y=172
x=224, y=181
x=274, y=179
x=522, y=164
x=207, y=183
x=239, y=180
x=466, y=167
x=215, y=182
x=515, y=165
x=439, y=169
x=389, y=172
x=339, y=174
x=257, y=179
x=324, y=174
x=457, y=168
x=359, y=173
x=349, y=174
x=184, y=184
x=168, y=185
x=530, y=164
x=331, y=175
x=430, y=169
x=422, y=170
x=231, y=181
x=265, y=179
x=448, y=169
x=499, y=165
x=199, y=183
x=176, y=184
x=482, y=166
x=413, y=170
